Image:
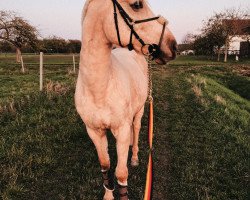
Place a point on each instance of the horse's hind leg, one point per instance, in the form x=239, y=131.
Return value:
x=100, y=141
x=136, y=131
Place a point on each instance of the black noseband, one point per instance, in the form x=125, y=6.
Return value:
x=154, y=50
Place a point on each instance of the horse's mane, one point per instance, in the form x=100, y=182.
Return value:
x=86, y=6
x=85, y=9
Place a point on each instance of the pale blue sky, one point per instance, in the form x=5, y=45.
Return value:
x=62, y=17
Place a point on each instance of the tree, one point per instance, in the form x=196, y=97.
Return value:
x=54, y=45
x=221, y=28
x=215, y=33
x=186, y=43
x=74, y=46
x=203, y=45
x=6, y=47
x=188, y=38
x=17, y=31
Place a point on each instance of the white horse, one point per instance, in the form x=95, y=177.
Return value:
x=112, y=85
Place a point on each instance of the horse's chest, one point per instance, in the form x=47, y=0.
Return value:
x=102, y=116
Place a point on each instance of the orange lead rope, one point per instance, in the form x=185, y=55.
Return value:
x=149, y=179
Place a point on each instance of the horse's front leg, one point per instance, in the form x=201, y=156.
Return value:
x=122, y=145
x=100, y=141
x=136, y=131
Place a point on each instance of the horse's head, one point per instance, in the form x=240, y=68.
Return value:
x=150, y=36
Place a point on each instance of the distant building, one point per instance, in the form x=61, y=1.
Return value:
x=239, y=44
x=187, y=52
x=185, y=49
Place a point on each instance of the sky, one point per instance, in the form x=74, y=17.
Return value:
x=62, y=17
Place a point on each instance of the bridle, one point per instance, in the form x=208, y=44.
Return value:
x=154, y=50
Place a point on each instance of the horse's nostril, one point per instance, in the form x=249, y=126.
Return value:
x=174, y=46
x=174, y=49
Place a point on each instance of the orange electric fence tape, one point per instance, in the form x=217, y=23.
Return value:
x=149, y=179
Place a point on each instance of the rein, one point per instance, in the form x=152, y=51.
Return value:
x=154, y=50
x=149, y=177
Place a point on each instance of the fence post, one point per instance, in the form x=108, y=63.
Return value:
x=74, y=64
x=41, y=71
x=23, y=70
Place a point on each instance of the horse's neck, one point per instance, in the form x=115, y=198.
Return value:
x=95, y=63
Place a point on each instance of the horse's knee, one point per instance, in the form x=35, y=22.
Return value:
x=122, y=175
x=104, y=160
x=105, y=165
x=135, y=149
x=137, y=124
x=137, y=119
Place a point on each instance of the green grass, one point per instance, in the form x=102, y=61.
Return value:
x=201, y=143
x=203, y=60
x=208, y=140
x=46, y=153
x=57, y=68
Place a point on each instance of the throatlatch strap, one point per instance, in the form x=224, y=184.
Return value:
x=130, y=45
x=122, y=11
x=108, y=180
x=116, y=25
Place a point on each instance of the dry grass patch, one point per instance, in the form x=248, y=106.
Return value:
x=243, y=70
x=198, y=83
x=220, y=99
x=197, y=91
x=71, y=72
x=8, y=107
x=56, y=87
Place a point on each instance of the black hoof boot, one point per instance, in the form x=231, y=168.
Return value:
x=108, y=180
x=123, y=192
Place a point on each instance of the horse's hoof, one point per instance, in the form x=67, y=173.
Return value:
x=108, y=198
x=134, y=162
x=108, y=194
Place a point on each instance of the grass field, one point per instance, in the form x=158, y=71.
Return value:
x=201, y=144
x=57, y=68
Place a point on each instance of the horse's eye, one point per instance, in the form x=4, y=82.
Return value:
x=137, y=5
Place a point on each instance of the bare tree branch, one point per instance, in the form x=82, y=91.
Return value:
x=17, y=31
